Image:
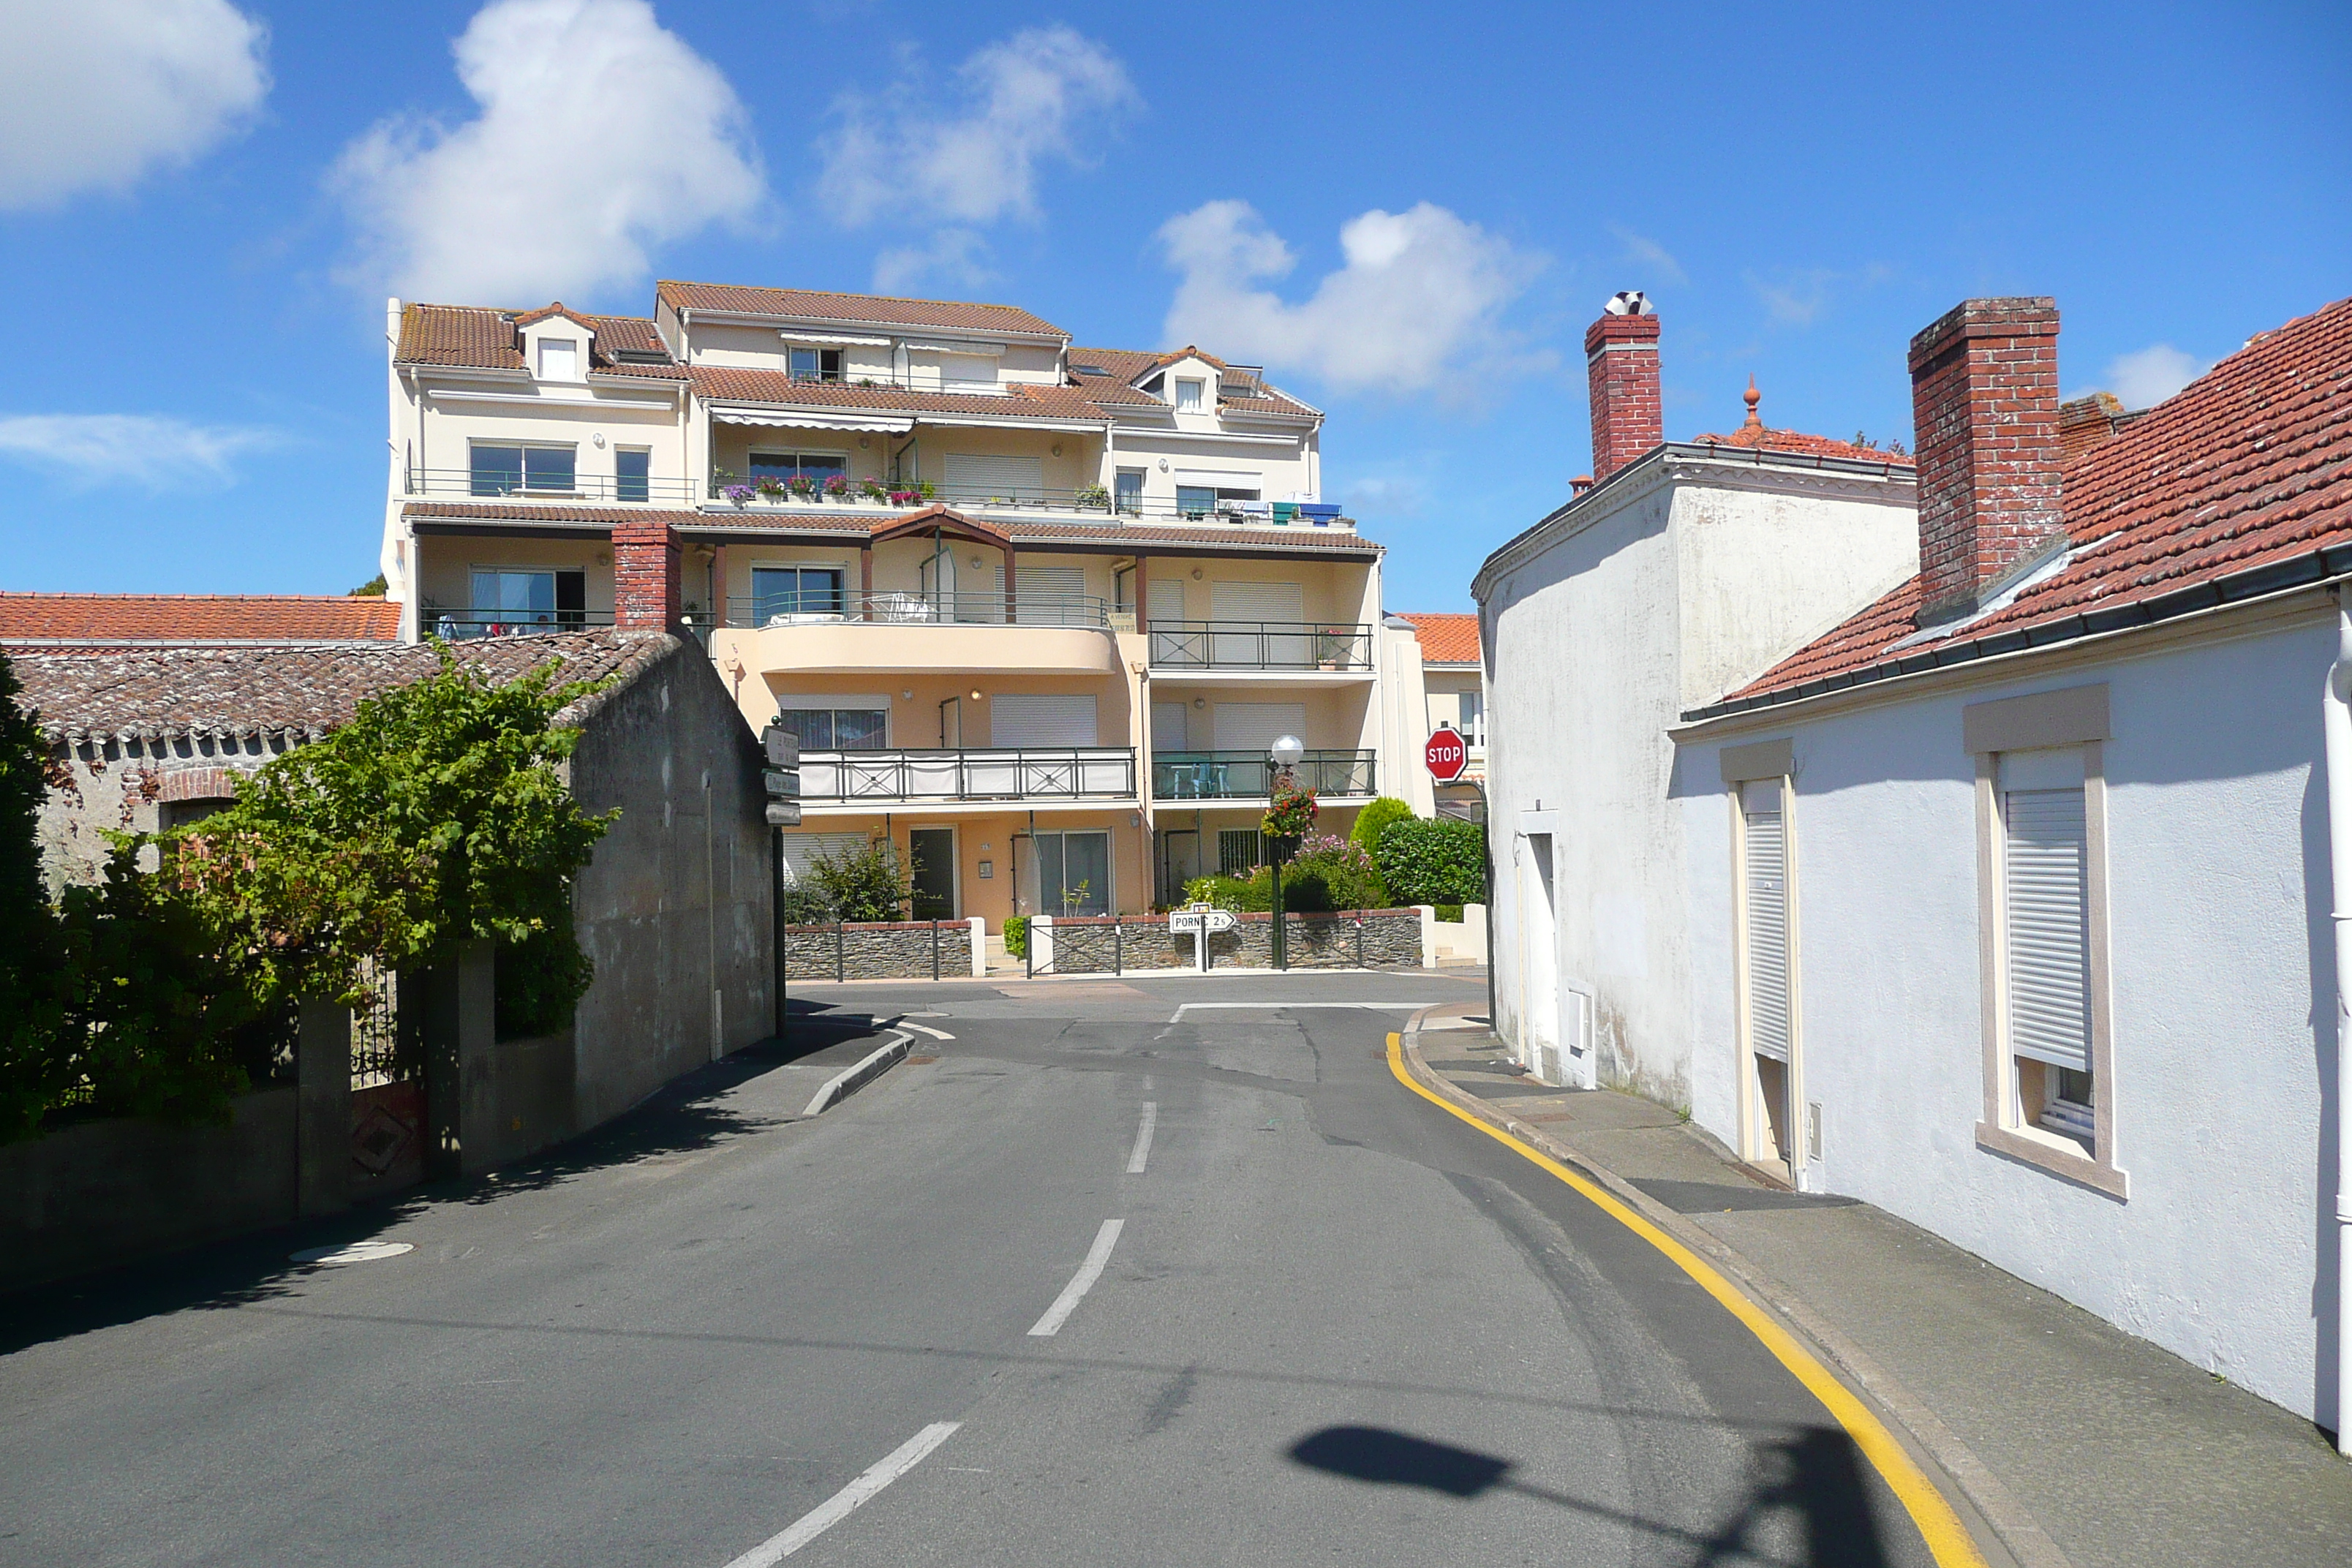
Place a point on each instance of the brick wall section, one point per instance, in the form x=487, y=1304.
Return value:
x=645, y=576
x=1621, y=361
x=883, y=950
x=1984, y=411
x=1386, y=938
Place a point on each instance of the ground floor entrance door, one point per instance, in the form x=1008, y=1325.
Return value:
x=1539, y=961
x=1180, y=862
x=932, y=850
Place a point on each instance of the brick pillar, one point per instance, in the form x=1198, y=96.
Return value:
x=1621, y=359
x=644, y=576
x=1984, y=415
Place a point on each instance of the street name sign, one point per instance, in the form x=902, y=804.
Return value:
x=1202, y=924
x=782, y=776
x=1447, y=754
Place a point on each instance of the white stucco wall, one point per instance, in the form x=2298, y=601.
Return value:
x=2221, y=984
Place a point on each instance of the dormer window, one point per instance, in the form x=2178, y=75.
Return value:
x=559, y=359
x=1188, y=395
x=815, y=364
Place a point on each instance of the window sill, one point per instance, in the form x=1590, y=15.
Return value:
x=2056, y=1155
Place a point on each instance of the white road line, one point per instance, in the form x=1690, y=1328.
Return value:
x=846, y=1501
x=1143, y=1138
x=1178, y=1017
x=921, y=1029
x=1098, y=1256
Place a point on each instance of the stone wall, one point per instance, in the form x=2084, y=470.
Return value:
x=1366, y=938
x=879, y=950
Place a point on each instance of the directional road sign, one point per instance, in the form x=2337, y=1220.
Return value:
x=782, y=776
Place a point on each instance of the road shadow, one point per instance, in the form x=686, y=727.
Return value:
x=1814, y=1474
x=687, y=1114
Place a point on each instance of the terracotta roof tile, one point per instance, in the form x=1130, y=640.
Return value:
x=2249, y=466
x=1754, y=433
x=185, y=620
x=1120, y=368
x=298, y=693
x=809, y=304
x=483, y=339
x=1445, y=638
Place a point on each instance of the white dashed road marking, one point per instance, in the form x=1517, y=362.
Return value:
x=1097, y=1258
x=846, y=1501
x=1143, y=1138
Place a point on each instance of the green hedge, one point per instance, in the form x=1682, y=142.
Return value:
x=1438, y=862
x=1017, y=936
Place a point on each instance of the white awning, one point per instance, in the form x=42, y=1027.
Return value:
x=1233, y=476
x=888, y=424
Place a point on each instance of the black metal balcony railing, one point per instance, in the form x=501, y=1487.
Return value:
x=1016, y=774
x=1249, y=775
x=576, y=486
x=463, y=626
x=806, y=608
x=738, y=491
x=1260, y=645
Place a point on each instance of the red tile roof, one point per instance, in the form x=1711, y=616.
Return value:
x=2240, y=484
x=1121, y=368
x=809, y=304
x=484, y=339
x=1753, y=432
x=1447, y=638
x=300, y=693
x=53, y=622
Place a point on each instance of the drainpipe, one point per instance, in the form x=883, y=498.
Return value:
x=2337, y=711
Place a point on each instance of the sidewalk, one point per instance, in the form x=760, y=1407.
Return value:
x=2083, y=1446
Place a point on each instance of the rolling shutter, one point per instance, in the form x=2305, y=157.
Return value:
x=802, y=848
x=1050, y=595
x=2046, y=907
x=1768, y=920
x=1257, y=602
x=1255, y=726
x=987, y=476
x=1042, y=719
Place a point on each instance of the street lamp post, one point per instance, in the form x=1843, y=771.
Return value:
x=1285, y=754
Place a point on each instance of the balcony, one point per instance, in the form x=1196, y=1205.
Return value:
x=465, y=626
x=910, y=633
x=1248, y=776
x=1015, y=775
x=1319, y=645
x=907, y=608
x=890, y=497
x=557, y=484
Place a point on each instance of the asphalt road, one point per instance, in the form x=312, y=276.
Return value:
x=1309, y=1318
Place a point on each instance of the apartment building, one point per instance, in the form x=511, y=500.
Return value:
x=1036, y=610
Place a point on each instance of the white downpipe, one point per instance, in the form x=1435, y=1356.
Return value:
x=2337, y=710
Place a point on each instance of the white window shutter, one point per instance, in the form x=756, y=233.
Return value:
x=2046, y=905
x=1042, y=719
x=1049, y=596
x=1767, y=921
x=1257, y=602
x=1167, y=599
x=984, y=475
x=1255, y=726
x=802, y=849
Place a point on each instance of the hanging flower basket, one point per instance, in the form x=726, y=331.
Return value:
x=1291, y=814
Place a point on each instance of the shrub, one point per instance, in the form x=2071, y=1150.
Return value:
x=1332, y=873
x=864, y=884
x=1249, y=894
x=802, y=904
x=1375, y=820
x=1016, y=935
x=1450, y=913
x=1435, y=862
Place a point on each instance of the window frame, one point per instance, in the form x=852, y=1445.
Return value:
x=2071, y=718
x=643, y=482
x=839, y=569
x=1197, y=388
x=523, y=449
x=834, y=373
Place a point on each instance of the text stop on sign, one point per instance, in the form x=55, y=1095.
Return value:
x=1446, y=755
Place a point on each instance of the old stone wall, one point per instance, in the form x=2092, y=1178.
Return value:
x=1370, y=939
x=879, y=950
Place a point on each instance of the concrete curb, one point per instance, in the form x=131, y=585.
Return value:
x=850, y=1080
x=2016, y=1529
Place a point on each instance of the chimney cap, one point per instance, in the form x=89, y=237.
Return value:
x=1628, y=302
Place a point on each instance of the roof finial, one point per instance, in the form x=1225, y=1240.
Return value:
x=1752, y=397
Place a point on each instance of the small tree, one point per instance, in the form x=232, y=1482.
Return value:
x=1375, y=819
x=866, y=883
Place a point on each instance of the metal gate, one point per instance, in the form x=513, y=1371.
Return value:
x=388, y=1103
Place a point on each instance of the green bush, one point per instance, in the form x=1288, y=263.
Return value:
x=1375, y=820
x=1016, y=935
x=1442, y=861
x=1450, y=913
x=1246, y=895
x=1327, y=873
x=866, y=883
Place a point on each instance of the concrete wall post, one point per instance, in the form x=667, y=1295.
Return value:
x=322, y=1108
x=460, y=1027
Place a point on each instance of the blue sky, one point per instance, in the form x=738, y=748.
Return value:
x=1409, y=214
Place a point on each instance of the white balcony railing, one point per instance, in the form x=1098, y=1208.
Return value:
x=1011, y=774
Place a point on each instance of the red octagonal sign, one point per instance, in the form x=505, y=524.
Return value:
x=1445, y=754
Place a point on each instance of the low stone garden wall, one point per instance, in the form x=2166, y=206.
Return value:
x=1107, y=944
x=885, y=950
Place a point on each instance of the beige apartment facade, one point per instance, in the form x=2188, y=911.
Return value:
x=1035, y=611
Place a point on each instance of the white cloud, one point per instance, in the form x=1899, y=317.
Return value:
x=1640, y=248
x=144, y=449
x=601, y=135
x=1416, y=306
x=1799, y=298
x=951, y=256
x=971, y=154
x=1391, y=495
x=2149, y=377
x=96, y=93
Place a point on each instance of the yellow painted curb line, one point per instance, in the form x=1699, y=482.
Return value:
x=1947, y=1540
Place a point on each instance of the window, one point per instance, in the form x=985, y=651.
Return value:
x=1126, y=489
x=1764, y=867
x=2049, y=1053
x=1474, y=719
x=1188, y=395
x=1073, y=873
x=780, y=594
x=1195, y=501
x=1240, y=851
x=507, y=601
x=499, y=471
x=858, y=729
x=559, y=359
x=968, y=373
x=632, y=474
x=815, y=364
x=813, y=467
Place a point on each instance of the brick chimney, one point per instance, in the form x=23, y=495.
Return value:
x=645, y=576
x=1984, y=415
x=1621, y=361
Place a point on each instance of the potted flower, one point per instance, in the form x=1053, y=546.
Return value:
x=1094, y=496
x=739, y=494
x=836, y=487
x=1290, y=816
x=771, y=487
x=903, y=496
x=872, y=489
x=802, y=485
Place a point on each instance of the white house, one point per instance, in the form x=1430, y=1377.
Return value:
x=1683, y=569
x=2009, y=898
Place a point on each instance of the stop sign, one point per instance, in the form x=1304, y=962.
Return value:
x=1445, y=754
